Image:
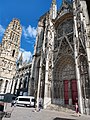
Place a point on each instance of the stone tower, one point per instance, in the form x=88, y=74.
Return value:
x=8, y=55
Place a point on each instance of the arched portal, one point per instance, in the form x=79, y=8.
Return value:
x=64, y=82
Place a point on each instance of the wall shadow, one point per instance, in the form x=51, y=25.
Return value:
x=57, y=118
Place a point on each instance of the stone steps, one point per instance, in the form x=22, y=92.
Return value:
x=66, y=108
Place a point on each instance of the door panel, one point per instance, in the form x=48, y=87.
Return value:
x=66, y=98
x=74, y=91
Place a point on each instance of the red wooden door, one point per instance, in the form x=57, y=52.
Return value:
x=66, y=98
x=74, y=91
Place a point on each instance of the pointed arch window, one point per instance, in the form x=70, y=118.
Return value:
x=25, y=83
x=15, y=86
x=13, y=53
x=6, y=86
x=20, y=83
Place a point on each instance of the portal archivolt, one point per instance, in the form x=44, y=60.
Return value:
x=64, y=80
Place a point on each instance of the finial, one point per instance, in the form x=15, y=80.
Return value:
x=53, y=1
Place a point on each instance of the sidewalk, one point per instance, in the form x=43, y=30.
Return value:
x=67, y=116
x=26, y=113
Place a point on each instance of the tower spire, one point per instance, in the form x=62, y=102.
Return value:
x=53, y=10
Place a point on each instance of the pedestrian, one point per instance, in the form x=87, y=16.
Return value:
x=40, y=103
x=77, y=109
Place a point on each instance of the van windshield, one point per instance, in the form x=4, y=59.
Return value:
x=24, y=99
x=1, y=97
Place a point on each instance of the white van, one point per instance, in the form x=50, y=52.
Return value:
x=25, y=100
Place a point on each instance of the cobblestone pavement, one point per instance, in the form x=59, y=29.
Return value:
x=26, y=113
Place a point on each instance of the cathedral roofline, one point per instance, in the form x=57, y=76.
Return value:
x=65, y=10
x=44, y=15
x=64, y=3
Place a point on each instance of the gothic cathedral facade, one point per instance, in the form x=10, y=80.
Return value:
x=60, y=71
x=9, y=50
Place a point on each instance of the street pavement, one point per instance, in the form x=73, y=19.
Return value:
x=27, y=113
